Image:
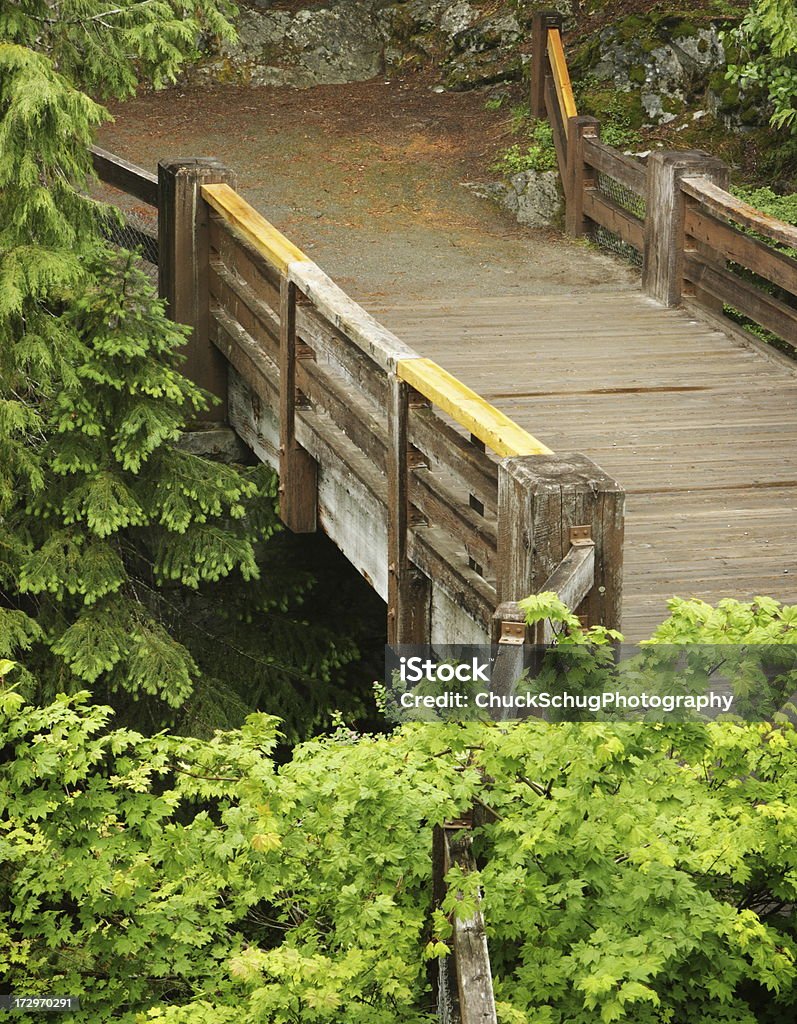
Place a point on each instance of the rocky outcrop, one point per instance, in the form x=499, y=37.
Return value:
x=533, y=197
x=662, y=64
x=667, y=75
x=351, y=40
x=319, y=45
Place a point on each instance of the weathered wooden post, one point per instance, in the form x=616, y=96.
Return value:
x=183, y=270
x=541, y=499
x=472, y=999
x=408, y=589
x=298, y=470
x=662, y=273
x=579, y=175
x=541, y=22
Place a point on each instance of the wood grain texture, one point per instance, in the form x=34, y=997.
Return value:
x=581, y=179
x=471, y=956
x=561, y=77
x=444, y=508
x=434, y=552
x=409, y=593
x=253, y=226
x=541, y=22
x=348, y=316
x=298, y=471
x=700, y=428
x=662, y=271
x=125, y=176
x=540, y=498
x=557, y=124
x=720, y=202
x=749, y=252
x=184, y=267
x=604, y=211
x=469, y=409
x=574, y=577
x=731, y=290
x=617, y=165
x=454, y=455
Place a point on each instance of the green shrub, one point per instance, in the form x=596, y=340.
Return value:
x=638, y=874
x=536, y=155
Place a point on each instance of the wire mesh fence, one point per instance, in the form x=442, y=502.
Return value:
x=628, y=200
x=133, y=226
x=135, y=233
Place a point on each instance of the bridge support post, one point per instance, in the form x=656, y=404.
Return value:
x=541, y=22
x=409, y=591
x=298, y=470
x=184, y=266
x=665, y=240
x=579, y=175
x=540, y=499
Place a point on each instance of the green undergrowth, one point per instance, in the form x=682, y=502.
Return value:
x=629, y=873
x=534, y=148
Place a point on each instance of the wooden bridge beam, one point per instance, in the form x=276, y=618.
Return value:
x=580, y=175
x=409, y=591
x=184, y=266
x=298, y=470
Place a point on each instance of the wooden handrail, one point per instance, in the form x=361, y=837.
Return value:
x=125, y=176
x=469, y=409
x=269, y=242
x=561, y=76
x=348, y=316
x=466, y=407
x=351, y=417
x=686, y=226
x=617, y=165
x=470, y=959
x=722, y=203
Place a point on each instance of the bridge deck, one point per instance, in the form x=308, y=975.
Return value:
x=700, y=429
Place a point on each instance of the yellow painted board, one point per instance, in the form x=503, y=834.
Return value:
x=469, y=409
x=268, y=241
x=561, y=75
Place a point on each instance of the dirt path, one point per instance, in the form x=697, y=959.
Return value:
x=367, y=178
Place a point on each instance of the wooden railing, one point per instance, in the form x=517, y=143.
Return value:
x=448, y=508
x=717, y=230
x=463, y=981
x=133, y=181
x=127, y=177
x=697, y=244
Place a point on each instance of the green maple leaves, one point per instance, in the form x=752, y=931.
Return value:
x=638, y=874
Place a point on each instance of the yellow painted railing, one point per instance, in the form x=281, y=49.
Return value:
x=269, y=242
x=467, y=408
x=561, y=76
x=496, y=430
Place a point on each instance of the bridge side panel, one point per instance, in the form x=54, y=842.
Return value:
x=452, y=624
x=348, y=512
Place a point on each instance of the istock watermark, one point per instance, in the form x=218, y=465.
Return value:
x=416, y=669
x=578, y=683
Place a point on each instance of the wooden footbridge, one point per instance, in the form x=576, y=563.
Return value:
x=477, y=453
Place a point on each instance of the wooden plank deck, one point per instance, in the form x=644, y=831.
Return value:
x=699, y=428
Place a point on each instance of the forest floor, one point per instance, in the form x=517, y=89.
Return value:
x=369, y=179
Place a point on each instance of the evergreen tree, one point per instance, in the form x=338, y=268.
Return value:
x=103, y=522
